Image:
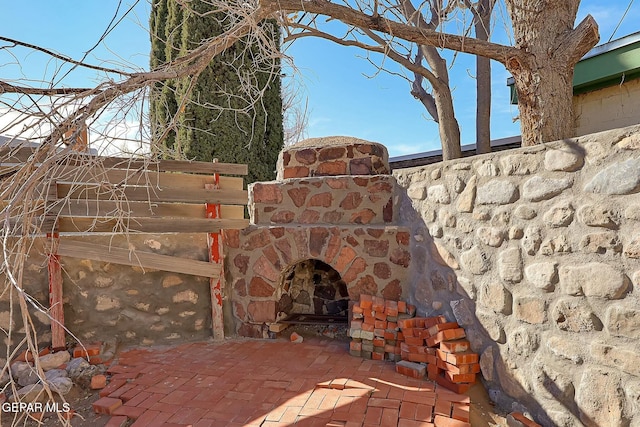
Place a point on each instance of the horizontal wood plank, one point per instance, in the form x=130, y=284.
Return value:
x=13, y=159
x=108, y=208
x=72, y=174
x=147, y=225
x=153, y=194
x=85, y=250
x=186, y=166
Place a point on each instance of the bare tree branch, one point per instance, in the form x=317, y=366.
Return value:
x=61, y=57
x=9, y=88
x=350, y=16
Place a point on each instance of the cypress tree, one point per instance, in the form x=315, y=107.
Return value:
x=219, y=118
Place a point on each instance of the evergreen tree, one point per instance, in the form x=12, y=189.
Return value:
x=219, y=116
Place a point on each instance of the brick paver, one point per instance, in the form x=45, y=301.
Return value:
x=273, y=383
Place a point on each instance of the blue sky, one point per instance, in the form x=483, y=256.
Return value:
x=335, y=81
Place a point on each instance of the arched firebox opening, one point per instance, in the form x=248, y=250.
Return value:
x=313, y=292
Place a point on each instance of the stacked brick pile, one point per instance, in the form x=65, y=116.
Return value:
x=388, y=330
x=374, y=327
x=443, y=347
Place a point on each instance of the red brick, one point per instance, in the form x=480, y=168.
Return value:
x=138, y=398
x=378, y=304
x=391, y=312
x=117, y=421
x=464, y=358
x=378, y=342
x=380, y=315
x=519, y=416
x=456, y=346
x=407, y=331
x=442, y=407
x=68, y=415
x=111, y=387
x=432, y=371
x=453, y=397
x=373, y=416
x=122, y=390
x=106, y=405
x=405, y=323
x=432, y=321
x=132, y=412
x=416, y=357
x=356, y=324
x=460, y=378
x=408, y=410
x=411, y=309
x=380, y=324
x=377, y=356
x=367, y=328
x=456, y=388
x=446, y=335
x=424, y=413
x=152, y=418
x=384, y=403
x=98, y=382
x=402, y=307
x=354, y=345
x=356, y=308
x=441, y=421
x=415, y=341
x=389, y=417
x=473, y=368
x=420, y=397
x=460, y=412
x=442, y=326
x=369, y=320
x=411, y=369
x=390, y=335
x=27, y=356
x=413, y=423
x=390, y=348
x=88, y=350
x=366, y=301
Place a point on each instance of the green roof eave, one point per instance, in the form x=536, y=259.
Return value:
x=605, y=65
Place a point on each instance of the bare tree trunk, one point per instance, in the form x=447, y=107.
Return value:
x=447, y=125
x=543, y=30
x=482, y=17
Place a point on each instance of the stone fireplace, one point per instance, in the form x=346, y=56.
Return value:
x=321, y=234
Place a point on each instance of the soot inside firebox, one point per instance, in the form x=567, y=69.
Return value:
x=313, y=287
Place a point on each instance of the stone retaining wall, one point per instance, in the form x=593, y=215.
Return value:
x=536, y=252
x=104, y=301
x=36, y=285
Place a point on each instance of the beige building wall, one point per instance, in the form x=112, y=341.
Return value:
x=608, y=108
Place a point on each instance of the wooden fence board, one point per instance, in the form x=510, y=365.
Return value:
x=153, y=194
x=84, y=250
x=144, y=178
x=193, y=167
x=146, y=225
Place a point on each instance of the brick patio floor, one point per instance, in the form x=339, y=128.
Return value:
x=271, y=383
